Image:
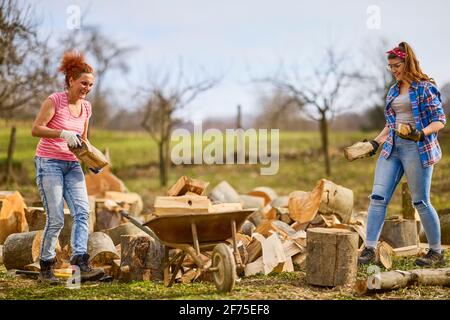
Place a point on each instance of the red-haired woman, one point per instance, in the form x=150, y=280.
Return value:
x=414, y=102
x=63, y=117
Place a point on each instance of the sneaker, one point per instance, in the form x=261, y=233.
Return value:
x=367, y=256
x=87, y=272
x=46, y=274
x=431, y=259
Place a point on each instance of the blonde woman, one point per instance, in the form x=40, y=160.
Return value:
x=413, y=102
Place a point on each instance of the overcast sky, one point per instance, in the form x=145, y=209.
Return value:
x=248, y=38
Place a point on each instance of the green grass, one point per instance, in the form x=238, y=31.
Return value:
x=285, y=286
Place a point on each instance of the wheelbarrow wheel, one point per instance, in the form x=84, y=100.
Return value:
x=225, y=274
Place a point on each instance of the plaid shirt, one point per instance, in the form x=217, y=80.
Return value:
x=426, y=107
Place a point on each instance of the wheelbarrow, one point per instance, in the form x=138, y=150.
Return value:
x=194, y=233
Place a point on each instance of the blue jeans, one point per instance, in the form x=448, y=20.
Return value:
x=404, y=159
x=58, y=180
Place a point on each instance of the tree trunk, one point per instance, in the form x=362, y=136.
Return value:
x=324, y=137
x=9, y=160
x=400, y=233
x=162, y=164
x=332, y=256
x=143, y=256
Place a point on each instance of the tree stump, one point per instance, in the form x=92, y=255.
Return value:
x=332, y=256
x=143, y=257
x=101, y=249
x=21, y=249
x=105, y=218
x=400, y=233
x=444, y=220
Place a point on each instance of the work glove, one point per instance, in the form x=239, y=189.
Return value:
x=71, y=137
x=375, y=146
x=95, y=171
x=411, y=134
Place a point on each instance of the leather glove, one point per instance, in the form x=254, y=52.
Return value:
x=375, y=146
x=71, y=137
x=414, y=134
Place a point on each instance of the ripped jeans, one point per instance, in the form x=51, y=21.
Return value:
x=404, y=159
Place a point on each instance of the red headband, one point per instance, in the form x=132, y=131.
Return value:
x=398, y=52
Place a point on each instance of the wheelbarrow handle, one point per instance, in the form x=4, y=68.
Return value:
x=136, y=222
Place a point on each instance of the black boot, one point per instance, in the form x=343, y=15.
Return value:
x=431, y=259
x=87, y=272
x=46, y=274
x=367, y=256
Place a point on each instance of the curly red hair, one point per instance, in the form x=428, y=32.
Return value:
x=73, y=64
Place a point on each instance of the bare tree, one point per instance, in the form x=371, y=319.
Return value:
x=164, y=99
x=318, y=96
x=108, y=55
x=279, y=110
x=24, y=67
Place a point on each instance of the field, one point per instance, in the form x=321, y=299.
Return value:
x=134, y=157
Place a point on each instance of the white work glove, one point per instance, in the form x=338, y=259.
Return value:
x=71, y=138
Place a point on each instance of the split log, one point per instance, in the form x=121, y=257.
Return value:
x=268, y=194
x=101, y=249
x=262, y=214
x=12, y=215
x=21, y=249
x=332, y=256
x=143, y=256
x=303, y=206
x=392, y=280
x=181, y=205
x=124, y=229
x=224, y=192
x=274, y=257
x=224, y=207
x=254, y=250
x=131, y=201
x=185, y=184
x=283, y=213
x=336, y=199
x=98, y=184
x=265, y=228
x=1, y=254
x=400, y=233
x=358, y=150
x=250, y=202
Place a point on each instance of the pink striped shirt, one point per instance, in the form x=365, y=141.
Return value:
x=57, y=148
